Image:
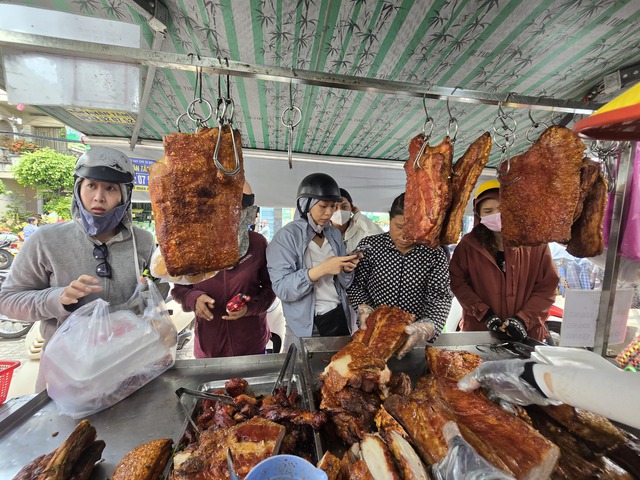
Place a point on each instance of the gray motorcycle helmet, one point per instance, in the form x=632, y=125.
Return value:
x=105, y=165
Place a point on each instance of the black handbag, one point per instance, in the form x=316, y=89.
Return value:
x=333, y=323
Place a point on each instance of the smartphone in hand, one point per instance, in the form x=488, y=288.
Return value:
x=360, y=249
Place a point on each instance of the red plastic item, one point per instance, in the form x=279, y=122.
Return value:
x=6, y=372
x=555, y=311
x=238, y=302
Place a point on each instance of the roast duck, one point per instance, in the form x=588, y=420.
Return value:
x=550, y=193
x=389, y=429
x=197, y=205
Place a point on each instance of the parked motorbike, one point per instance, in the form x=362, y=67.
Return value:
x=9, y=246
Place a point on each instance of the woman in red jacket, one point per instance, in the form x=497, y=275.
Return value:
x=501, y=288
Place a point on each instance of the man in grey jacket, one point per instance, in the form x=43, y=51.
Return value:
x=308, y=267
x=99, y=254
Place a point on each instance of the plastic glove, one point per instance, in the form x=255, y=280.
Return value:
x=515, y=328
x=504, y=378
x=492, y=321
x=419, y=333
x=462, y=462
x=364, y=311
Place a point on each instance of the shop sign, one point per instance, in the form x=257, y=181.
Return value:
x=581, y=312
x=141, y=173
x=97, y=115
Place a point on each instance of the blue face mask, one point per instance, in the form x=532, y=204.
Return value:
x=94, y=225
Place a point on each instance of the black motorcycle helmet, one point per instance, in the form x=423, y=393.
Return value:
x=320, y=186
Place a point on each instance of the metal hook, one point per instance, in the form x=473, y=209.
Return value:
x=452, y=121
x=534, y=126
x=425, y=136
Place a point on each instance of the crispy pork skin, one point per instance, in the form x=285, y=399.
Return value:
x=186, y=188
x=330, y=464
x=385, y=330
x=451, y=364
x=587, y=238
x=423, y=423
x=145, y=462
x=539, y=194
x=427, y=194
x=505, y=440
x=463, y=180
x=358, y=366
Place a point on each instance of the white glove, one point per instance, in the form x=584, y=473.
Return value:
x=504, y=378
x=364, y=311
x=419, y=333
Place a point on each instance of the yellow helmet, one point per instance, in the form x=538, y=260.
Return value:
x=488, y=185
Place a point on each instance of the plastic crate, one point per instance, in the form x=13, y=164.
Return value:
x=6, y=372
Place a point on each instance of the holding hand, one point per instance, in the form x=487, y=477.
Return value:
x=515, y=328
x=419, y=333
x=83, y=286
x=364, y=311
x=235, y=315
x=204, y=307
x=504, y=378
x=334, y=266
x=493, y=322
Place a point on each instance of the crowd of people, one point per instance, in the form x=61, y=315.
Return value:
x=328, y=269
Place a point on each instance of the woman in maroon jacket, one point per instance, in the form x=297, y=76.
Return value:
x=501, y=288
x=222, y=333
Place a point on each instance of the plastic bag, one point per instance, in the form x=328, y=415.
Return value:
x=629, y=230
x=159, y=270
x=462, y=462
x=98, y=356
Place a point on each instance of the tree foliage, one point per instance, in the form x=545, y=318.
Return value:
x=51, y=173
x=46, y=170
x=3, y=188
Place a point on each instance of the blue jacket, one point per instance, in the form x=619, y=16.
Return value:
x=289, y=277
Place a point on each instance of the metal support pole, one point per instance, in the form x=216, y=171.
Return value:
x=158, y=37
x=609, y=283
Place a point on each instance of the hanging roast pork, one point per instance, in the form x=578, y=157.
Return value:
x=540, y=189
x=197, y=205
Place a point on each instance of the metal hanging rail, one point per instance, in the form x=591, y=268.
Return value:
x=97, y=51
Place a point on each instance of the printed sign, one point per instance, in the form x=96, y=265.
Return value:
x=96, y=115
x=141, y=172
x=581, y=312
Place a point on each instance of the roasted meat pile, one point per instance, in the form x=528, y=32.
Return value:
x=407, y=436
x=436, y=195
x=254, y=428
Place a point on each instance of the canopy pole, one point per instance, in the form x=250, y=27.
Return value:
x=137, y=56
x=609, y=283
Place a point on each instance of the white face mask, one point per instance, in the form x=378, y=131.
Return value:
x=340, y=217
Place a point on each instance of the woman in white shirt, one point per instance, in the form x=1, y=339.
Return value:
x=353, y=225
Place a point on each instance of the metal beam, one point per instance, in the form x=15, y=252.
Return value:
x=74, y=48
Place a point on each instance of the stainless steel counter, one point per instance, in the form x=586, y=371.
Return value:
x=35, y=427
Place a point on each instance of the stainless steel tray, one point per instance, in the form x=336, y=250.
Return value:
x=36, y=427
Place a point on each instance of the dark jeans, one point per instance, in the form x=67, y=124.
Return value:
x=333, y=323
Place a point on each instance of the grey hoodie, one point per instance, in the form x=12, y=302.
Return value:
x=57, y=254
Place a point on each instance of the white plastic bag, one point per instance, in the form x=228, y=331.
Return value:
x=98, y=357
